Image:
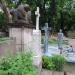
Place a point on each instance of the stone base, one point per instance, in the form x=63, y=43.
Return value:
x=39, y=68
x=26, y=39
x=38, y=64
x=37, y=51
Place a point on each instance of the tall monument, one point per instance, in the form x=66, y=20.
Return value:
x=37, y=43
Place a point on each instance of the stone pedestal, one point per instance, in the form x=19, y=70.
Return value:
x=23, y=38
x=28, y=39
x=37, y=50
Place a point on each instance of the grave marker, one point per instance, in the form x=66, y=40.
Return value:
x=37, y=44
x=37, y=18
x=45, y=28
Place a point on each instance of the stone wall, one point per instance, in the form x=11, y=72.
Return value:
x=7, y=47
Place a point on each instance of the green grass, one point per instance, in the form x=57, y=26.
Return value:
x=71, y=36
x=3, y=40
x=54, y=41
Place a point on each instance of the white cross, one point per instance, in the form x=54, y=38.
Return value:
x=37, y=18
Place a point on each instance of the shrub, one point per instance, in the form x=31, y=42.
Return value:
x=56, y=62
x=59, y=62
x=20, y=64
x=47, y=63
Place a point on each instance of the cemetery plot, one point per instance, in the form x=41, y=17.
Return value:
x=67, y=52
x=59, y=45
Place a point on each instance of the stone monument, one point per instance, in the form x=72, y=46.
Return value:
x=28, y=38
x=37, y=42
x=21, y=14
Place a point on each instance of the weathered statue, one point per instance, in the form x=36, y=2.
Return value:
x=21, y=14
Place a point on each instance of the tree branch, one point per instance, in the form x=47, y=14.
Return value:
x=6, y=11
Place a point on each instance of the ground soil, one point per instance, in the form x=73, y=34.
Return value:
x=71, y=42
x=47, y=72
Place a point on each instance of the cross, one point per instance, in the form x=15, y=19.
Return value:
x=37, y=18
x=45, y=28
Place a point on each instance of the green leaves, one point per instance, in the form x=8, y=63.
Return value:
x=47, y=63
x=20, y=64
x=56, y=62
x=57, y=13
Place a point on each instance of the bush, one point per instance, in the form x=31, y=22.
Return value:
x=47, y=63
x=56, y=62
x=20, y=64
x=59, y=62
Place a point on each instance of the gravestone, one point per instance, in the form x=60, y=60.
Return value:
x=45, y=28
x=28, y=38
x=60, y=39
x=37, y=42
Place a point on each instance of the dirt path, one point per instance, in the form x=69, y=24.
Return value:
x=47, y=72
x=72, y=42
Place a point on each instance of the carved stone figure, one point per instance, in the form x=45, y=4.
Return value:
x=21, y=14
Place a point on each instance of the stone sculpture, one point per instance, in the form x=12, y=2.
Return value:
x=21, y=14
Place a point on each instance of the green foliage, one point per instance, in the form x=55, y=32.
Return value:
x=20, y=64
x=47, y=63
x=52, y=41
x=2, y=20
x=56, y=62
x=10, y=4
x=58, y=13
x=2, y=17
x=71, y=36
x=59, y=62
x=3, y=40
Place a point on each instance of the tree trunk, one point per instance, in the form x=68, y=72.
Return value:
x=6, y=11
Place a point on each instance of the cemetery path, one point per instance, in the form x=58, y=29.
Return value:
x=47, y=72
x=72, y=42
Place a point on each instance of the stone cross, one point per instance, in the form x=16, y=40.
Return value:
x=45, y=28
x=37, y=18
